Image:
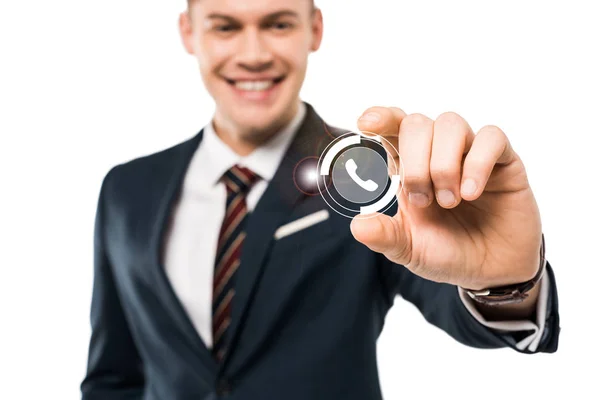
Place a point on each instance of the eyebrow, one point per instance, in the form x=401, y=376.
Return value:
x=269, y=17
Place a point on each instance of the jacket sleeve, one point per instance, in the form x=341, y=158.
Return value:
x=442, y=306
x=114, y=368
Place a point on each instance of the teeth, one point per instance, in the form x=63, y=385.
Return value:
x=255, y=86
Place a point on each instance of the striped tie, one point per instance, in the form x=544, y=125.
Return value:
x=238, y=181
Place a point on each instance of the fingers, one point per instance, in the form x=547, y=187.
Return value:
x=490, y=147
x=452, y=138
x=442, y=160
x=414, y=145
x=385, y=122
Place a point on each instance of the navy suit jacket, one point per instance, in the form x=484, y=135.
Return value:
x=308, y=310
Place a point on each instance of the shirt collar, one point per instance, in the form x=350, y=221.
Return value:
x=216, y=157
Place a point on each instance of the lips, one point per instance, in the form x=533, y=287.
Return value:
x=255, y=84
x=259, y=90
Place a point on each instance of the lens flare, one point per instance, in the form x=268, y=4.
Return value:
x=306, y=176
x=311, y=176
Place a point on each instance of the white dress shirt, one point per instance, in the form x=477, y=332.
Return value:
x=191, y=243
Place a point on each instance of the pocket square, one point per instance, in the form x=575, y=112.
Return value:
x=301, y=223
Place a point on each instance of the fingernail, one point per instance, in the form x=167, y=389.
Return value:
x=469, y=187
x=418, y=199
x=446, y=197
x=370, y=117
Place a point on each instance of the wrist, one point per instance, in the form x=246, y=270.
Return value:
x=511, y=293
x=511, y=311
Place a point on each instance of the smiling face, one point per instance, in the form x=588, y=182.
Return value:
x=253, y=57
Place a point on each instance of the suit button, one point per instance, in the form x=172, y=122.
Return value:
x=223, y=387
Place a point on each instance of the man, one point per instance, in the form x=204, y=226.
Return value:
x=199, y=293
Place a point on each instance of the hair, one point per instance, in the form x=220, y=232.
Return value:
x=312, y=3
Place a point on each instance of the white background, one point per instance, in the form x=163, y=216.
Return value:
x=88, y=84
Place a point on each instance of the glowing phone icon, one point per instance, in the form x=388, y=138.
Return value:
x=369, y=185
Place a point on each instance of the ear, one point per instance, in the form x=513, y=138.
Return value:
x=317, y=29
x=186, y=31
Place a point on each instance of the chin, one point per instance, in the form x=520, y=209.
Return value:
x=260, y=131
x=259, y=121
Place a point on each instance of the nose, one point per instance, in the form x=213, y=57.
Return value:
x=254, y=54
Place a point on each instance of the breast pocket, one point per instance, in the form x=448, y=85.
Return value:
x=310, y=222
x=312, y=231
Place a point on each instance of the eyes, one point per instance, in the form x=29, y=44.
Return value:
x=275, y=26
x=280, y=26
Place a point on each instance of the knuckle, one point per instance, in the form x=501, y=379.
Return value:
x=450, y=118
x=376, y=109
x=477, y=164
x=417, y=119
x=398, y=111
x=444, y=173
x=401, y=248
x=414, y=180
x=492, y=130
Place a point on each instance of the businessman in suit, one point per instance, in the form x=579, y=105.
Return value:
x=215, y=277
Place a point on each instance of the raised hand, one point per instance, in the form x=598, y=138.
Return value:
x=466, y=213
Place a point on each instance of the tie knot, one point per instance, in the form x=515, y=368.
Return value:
x=239, y=179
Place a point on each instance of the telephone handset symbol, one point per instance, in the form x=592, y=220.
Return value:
x=369, y=185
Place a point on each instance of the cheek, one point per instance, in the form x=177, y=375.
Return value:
x=212, y=55
x=293, y=53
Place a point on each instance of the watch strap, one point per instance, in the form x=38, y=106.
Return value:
x=514, y=293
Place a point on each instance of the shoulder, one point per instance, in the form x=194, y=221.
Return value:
x=140, y=174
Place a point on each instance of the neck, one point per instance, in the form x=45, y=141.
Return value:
x=243, y=139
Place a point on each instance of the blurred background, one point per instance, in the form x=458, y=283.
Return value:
x=85, y=85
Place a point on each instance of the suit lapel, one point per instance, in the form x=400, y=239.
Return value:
x=272, y=210
x=169, y=180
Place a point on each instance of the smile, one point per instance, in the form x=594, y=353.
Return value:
x=258, y=85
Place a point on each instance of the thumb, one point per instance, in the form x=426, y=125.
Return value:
x=383, y=234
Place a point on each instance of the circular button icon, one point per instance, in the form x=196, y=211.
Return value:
x=363, y=182
x=360, y=175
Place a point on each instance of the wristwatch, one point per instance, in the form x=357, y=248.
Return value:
x=514, y=293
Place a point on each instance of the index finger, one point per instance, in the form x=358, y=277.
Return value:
x=385, y=122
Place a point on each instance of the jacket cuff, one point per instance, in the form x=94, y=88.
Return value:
x=516, y=328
